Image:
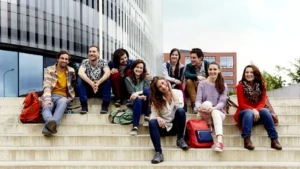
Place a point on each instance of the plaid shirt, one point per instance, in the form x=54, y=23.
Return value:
x=50, y=80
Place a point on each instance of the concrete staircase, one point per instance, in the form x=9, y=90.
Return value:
x=91, y=142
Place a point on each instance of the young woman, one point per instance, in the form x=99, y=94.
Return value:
x=167, y=115
x=213, y=89
x=138, y=87
x=173, y=71
x=251, y=94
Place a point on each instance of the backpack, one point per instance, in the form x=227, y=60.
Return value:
x=31, y=110
x=198, y=134
x=121, y=116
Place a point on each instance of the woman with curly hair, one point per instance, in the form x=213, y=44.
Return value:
x=167, y=115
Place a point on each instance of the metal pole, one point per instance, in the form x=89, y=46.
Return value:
x=4, y=80
x=100, y=29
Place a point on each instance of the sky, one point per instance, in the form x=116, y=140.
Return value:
x=264, y=32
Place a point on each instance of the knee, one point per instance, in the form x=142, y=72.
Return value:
x=248, y=114
x=189, y=82
x=146, y=92
x=62, y=101
x=180, y=112
x=264, y=112
x=115, y=76
x=215, y=113
x=153, y=123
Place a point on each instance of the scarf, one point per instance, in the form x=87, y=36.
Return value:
x=252, y=93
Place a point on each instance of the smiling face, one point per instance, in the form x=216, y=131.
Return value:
x=195, y=60
x=138, y=69
x=162, y=85
x=93, y=53
x=175, y=56
x=124, y=60
x=213, y=70
x=63, y=60
x=249, y=75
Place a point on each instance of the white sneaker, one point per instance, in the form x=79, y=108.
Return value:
x=134, y=131
x=219, y=147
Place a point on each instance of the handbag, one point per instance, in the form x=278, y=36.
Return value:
x=271, y=110
x=229, y=103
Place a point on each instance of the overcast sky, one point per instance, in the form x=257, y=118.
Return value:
x=266, y=32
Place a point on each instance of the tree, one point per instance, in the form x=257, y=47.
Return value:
x=273, y=81
x=294, y=71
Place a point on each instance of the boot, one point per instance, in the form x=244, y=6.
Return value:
x=275, y=144
x=104, y=107
x=248, y=144
x=84, y=108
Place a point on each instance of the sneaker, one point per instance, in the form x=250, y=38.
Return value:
x=46, y=132
x=84, y=110
x=158, y=157
x=182, y=144
x=118, y=103
x=146, y=121
x=52, y=126
x=134, y=131
x=128, y=103
x=219, y=147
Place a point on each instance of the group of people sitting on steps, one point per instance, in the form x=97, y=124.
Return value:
x=163, y=96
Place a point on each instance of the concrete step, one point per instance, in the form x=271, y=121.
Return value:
x=228, y=129
x=146, y=165
x=144, y=154
x=125, y=140
x=95, y=109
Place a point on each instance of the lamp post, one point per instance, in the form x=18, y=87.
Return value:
x=4, y=80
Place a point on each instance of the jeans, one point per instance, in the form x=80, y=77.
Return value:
x=140, y=106
x=246, y=117
x=85, y=91
x=58, y=107
x=178, y=128
x=118, y=84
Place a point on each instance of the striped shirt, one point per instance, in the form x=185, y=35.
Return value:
x=50, y=81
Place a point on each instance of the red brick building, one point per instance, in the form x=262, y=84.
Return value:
x=227, y=62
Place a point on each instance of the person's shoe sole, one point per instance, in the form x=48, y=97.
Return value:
x=46, y=134
x=83, y=112
x=52, y=126
x=218, y=150
x=156, y=162
x=103, y=112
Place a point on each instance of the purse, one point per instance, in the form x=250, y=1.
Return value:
x=271, y=110
x=229, y=103
x=204, y=136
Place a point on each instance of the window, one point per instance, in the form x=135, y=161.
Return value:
x=210, y=58
x=227, y=73
x=30, y=80
x=226, y=61
x=229, y=81
x=8, y=74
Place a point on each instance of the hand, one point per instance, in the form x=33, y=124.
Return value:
x=134, y=96
x=177, y=81
x=200, y=78
x=161, y=122
x=256, y=115
x=142, y=97
x=114, y=70
x=95, y=86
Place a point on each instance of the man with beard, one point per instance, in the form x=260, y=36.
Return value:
x=58, y=92
x=120, y=67
x=94, y=80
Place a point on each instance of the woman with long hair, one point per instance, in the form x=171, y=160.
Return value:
x=167, y=115
x=138, y=87
x=251, y=95
x=214, y=90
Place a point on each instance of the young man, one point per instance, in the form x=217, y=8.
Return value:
x=120, y=67
x=93, y=80
x=195, y=71
x=58, y=92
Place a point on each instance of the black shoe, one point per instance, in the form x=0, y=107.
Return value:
x=128, y=103
x=51, y=126
x=84, y=110
x=158, y=157
x=104, y=108
x=46, y=132
x=118, y=103
x=182, y=144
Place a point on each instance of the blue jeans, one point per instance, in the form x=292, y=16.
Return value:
x=178, y=128
x=85, y=91
x=140, y=106
x=55, y=110
x=246, y=117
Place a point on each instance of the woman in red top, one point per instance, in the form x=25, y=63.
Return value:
x=251, y=94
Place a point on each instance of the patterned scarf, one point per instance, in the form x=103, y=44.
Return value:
x=252, y=93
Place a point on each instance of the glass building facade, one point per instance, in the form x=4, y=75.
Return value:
x=33, y=31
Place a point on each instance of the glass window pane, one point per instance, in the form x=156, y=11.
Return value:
x=8, y=74
x=30, y=80
x=229, y=81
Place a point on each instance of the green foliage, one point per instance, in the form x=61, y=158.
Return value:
x=273, y=81
x=231, y=93
x=294, y=71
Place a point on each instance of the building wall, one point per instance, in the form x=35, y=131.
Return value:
x=227, y=62
x=33, y=31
